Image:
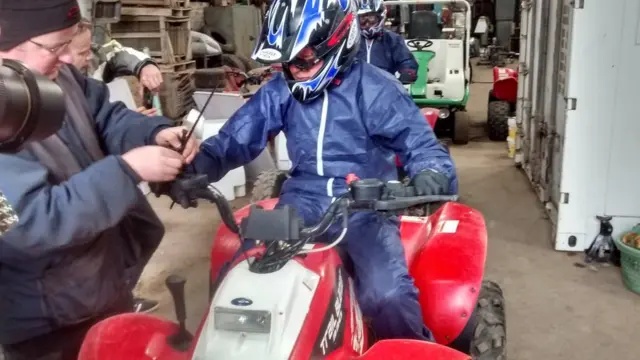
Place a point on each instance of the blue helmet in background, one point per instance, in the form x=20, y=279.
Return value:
x=329, y=27
x=378, y=10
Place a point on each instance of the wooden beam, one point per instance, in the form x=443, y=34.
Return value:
x=139, y=11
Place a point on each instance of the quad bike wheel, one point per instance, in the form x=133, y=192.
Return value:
x=490, y=333
x=461, y=125
x=268, y=185
x=497, y=120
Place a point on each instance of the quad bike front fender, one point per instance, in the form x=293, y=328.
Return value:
x=505, y=84
x=448, y=267
x=132, y=336
x=411, y=349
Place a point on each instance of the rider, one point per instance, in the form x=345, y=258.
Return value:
x=340, y=117
x=381, y=47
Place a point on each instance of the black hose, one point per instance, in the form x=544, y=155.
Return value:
x=226, y=213
x=327, y=219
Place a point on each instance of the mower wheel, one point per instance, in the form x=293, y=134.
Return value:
x=490, y=335
x=268, y=185
x=461, y=125
x=498, y=120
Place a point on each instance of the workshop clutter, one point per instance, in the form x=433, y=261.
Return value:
x=163, y=27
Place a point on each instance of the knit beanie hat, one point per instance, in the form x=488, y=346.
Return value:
x=21, y=20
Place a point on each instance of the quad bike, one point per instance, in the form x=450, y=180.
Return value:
x=288, y=298
x=502, y=102
x=444, y=69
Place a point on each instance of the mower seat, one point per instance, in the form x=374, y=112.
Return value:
x=424, y=25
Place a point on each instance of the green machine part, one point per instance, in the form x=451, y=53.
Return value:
x=419, y=88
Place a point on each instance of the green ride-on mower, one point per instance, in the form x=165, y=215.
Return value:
x=440, y=45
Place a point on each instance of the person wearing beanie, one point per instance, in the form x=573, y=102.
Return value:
x=85, y=230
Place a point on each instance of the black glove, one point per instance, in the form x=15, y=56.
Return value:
x=184, y=190
x=407, y=77
x=429, y=182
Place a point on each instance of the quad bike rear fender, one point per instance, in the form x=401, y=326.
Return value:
x=505, y=84
x=411, y=349
x=446, y=253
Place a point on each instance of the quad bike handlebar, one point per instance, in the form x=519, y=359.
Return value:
x=282, y=231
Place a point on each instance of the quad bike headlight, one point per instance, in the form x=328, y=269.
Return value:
x=444, y=113
x=241, y=320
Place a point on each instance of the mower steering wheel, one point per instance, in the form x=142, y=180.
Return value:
x=418, y=43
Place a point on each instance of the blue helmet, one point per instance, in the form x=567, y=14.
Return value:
x=329, y=27
x=373, y=7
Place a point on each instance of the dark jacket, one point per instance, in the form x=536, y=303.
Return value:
x=85, y=230
x=356, y=127
x=388, y=52
x=109, y=63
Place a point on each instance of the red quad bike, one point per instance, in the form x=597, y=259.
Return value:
x=288, y=298
x=502, y=102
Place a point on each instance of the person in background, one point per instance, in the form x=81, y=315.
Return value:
x=122, y=61
x=86, y=231
x=105, y=63
x=381, y=47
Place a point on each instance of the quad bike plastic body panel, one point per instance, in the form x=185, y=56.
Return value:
x=505, y=84
x=332, y=326
x=411, y=349
x=134, y=336
x=281, y=298
x=143, y=337
x=434, y=249
x=448, y=261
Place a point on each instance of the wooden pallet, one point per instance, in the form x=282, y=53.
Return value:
x=160, y=3
x=176, y=94
x=167, y=38
x=156, y=11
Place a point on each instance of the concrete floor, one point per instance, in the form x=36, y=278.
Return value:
x=554, y=309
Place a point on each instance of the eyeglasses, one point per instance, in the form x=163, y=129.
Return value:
x=56, y=50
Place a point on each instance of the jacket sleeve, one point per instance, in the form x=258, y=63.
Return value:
x=119, y=128
x=52, y=217
x=246, y=133
x=125, y=61
x=395, y=122
x=402, y=56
